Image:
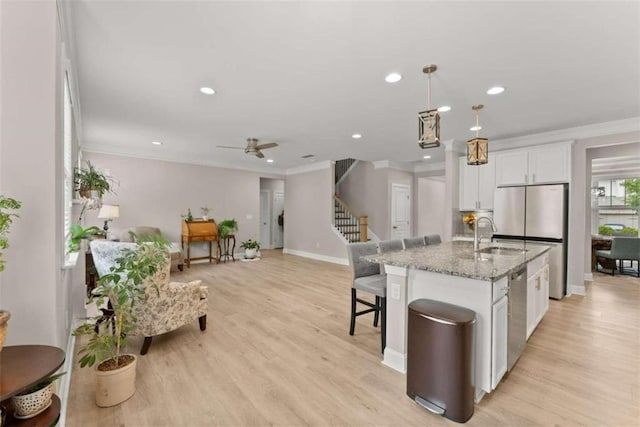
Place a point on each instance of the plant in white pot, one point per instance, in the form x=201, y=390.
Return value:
x=8, y=206
x=36, y=399
x=251, y=248
x=124, y=288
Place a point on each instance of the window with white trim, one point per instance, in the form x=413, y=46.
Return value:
x=67, y=165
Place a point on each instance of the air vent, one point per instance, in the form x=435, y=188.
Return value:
x=308, y=156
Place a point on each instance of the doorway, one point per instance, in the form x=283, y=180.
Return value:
x=272, y=197
x=400, y=211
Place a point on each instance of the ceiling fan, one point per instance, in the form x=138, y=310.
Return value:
x=253, y=147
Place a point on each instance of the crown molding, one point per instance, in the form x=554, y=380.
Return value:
x=429, y=167
x=266, y=172
x=310, y=168
x=569, y=134
x=390, y=164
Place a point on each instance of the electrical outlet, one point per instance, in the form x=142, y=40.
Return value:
x=395, y=291
x=249, y=216
x=317, y=244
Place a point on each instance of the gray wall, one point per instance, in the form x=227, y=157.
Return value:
x=156, y=193
x=308, y=214
x=367, y=191
x=34, y=287
x=431, y=215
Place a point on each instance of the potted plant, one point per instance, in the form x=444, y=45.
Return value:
x=90, y=183
x=8, y=206
x=78, y=234
x=227, y=227
x=251, y=248
x=124, y=287
x=35, y=400
x=205, y=213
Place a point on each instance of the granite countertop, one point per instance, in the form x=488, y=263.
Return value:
x=458, y=259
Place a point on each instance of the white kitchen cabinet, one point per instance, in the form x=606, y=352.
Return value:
x=477, y=185
x=511, y=168
x=499, y=343
x=549, y=164
x=537, y=298
x=546, y=164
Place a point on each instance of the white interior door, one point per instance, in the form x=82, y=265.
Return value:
x=400, y=211
x=277, y=239
x=265, y=220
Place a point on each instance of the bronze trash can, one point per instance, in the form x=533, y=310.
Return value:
x=440, y=357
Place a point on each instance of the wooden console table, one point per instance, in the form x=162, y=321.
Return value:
x=22, y=367
x=200, y=230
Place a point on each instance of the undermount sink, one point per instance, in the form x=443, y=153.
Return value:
x=502, y=251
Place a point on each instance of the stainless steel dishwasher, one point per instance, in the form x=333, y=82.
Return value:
x=517, y=331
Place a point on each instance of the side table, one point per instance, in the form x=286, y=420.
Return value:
x=22, y=367
x=224, y=256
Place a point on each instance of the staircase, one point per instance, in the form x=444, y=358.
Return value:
x=342, y=167
x=350, y=225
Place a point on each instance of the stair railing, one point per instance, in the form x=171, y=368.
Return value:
x=353, y=226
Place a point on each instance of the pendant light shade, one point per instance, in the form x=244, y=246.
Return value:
x=429, y=120
x=477, y=148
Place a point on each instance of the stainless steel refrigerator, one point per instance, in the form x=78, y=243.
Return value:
x=536, y=214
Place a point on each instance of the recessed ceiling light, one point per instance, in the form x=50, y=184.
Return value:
x=444, y=109
x=426, y=157
x=475, y=128
x=356, y=136
x=269, y=160
x=207, y=90
x=495, y=90
x=393, y=78
x=156, y=142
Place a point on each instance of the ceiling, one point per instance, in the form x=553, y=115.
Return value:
x=309, y=74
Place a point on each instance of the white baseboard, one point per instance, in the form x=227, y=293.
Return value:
x=326, y=258
x=65, y=381
x=395, y=360
x=577, y=290
x=588, y=277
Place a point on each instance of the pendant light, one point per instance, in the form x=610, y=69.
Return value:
x=429, y=120
x=477, y=148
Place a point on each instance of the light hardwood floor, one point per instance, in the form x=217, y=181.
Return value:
x=277, y=352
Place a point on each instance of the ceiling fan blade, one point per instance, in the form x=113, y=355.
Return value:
x=268, y=145
x=259, y=155
x=226, y=146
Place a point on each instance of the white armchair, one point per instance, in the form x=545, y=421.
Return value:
x=169, y=307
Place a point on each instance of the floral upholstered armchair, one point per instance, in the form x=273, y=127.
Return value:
x=169, y=307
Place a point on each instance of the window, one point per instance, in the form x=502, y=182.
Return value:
x=617, y=206
x=67, y=166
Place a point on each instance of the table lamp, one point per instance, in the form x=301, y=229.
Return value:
x=108, y=213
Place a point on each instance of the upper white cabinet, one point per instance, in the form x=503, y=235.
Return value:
x=477, y=185
x=511, y=168
x=550, y=164
x=547, y=164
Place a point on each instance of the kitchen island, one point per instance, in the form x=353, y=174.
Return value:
x=454, y=273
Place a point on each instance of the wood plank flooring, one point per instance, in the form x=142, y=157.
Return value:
x=277, y=352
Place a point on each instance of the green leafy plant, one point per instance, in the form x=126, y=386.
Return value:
x=42, y=383
x=605, y=231
x=227, y=227
x=189, y=215
x=89, y=179
x=629, y=231
x=250, y=244
x=78, y=234
x=123, y=286
x=632, y=190
x=7, y=214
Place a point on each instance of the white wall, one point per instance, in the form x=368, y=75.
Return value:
x=34, y=287
x=308, y=215
x=156, y=193
x=430, y=213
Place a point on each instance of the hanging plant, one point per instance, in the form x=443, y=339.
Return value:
x=87, y=180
